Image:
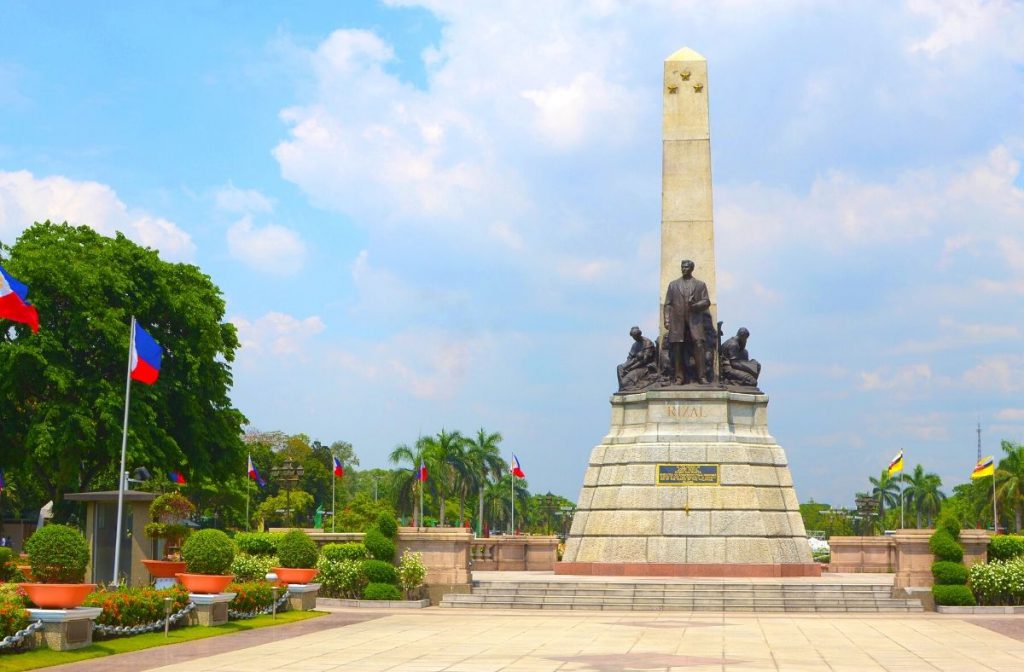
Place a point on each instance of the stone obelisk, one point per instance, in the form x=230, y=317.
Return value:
x=687, y=224
x=688, y=480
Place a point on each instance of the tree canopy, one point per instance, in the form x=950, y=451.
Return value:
x=62, y=390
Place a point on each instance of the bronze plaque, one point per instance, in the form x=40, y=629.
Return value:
x=687, y=474
x=219, y=612
x=78, y=631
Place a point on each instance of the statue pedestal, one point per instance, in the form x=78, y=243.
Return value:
x=688, y=483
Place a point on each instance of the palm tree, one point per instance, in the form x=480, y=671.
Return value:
x=923, y=494
x=886, y=490
x=1010, y=481
x=498, y=497
x=483, y=456
x=405, y=481
x=446, y=461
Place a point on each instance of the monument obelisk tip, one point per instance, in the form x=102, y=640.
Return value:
x=686, y=54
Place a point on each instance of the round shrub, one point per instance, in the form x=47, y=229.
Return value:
x=208, y=552
x=297, y=551
x=949, y=523
x=387, y=524
x=58, y=554
x=949, y=573
x=247, y=567
x=953, y=596
x=258, y=543
x=379, y=571
x=1006, y=547
x=381, y=591
x=379, y=546
x=350, y=551
x=343, y=579
x=945, y=547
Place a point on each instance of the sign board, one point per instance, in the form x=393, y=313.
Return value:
x=687, y=474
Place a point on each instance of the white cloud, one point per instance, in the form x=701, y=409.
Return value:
x=232, y=199
x=271, y=248
x=25, y=199
x=906, y=378
x=277, y=334
x=997, y=373
x=1011, y=414
x=971, y=26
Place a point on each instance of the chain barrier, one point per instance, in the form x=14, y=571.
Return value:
x=126, y=630
x=240, y=615
x=17, y=638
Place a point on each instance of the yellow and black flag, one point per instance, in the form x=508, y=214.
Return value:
x=986, y=466
x=896, y=465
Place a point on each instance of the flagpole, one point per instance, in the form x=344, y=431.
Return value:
x=247, y=488
x=422, y=485
x=334, y=508
x=124, y=446
x=513, y=503
x=995, y=515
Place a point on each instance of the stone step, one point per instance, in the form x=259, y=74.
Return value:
x=761, y=608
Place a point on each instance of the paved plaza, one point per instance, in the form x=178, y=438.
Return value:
x=479, y=641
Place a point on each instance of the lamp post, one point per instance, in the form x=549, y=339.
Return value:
x=288, y=474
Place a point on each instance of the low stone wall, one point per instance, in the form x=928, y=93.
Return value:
x=856, y=555
x=534, y=554
x=914, y=559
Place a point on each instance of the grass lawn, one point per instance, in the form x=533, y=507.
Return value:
x=31, y=660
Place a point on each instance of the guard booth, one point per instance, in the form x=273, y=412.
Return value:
x=100, y=523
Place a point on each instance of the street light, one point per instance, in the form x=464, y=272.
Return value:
x=288, y=474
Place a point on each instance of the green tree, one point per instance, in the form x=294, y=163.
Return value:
x=1010, y=481
x=498, y=502
x=922, y=494
x=275, y=510
x=445, y=458
x=62, y=390
x=406, y=484
x=484, y=465
x=886, y=490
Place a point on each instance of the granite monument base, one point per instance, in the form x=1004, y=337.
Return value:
x=688, y=482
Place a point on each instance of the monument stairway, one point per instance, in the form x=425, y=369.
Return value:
x=625, y=595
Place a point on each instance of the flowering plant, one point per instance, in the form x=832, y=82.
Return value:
x=251, y=596
x=135, y=606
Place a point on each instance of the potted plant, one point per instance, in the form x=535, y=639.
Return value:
x=168, y=514
x=298, y=555
x=58, y=556
x=208, y=555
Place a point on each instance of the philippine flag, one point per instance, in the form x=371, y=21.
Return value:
x=3, y=483
x=14, y=303
x=254, y=474
x=421, y=475
x=517, y=471
x=339, y=470
x=146, y=354
x=176, y=477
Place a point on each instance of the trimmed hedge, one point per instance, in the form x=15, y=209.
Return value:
x=381, y=591
x=297, y=551
x=953, y=596
x=208, y=552
x=258, y=543
x=387, y=524
x=379, y=571
x=379, y=546
x=58, y=554
x=1006, y=547
x=251, y=596
x=341, y=552
x=949, y=523
x=945, y=547
x=949, y=573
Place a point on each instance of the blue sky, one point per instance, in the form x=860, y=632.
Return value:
x=444, y=214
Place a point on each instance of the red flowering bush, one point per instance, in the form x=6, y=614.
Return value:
x=135, y=606
x=251, y=596
x=13, y=616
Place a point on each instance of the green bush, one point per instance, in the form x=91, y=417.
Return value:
x=13, y=616
x=169, y=512
x=945, y=547
x=379, y=546
x=7, y=566
x=381, y=591
x=950, y=523
x=251, y=596
x=1006, y=547
x=350, y=551
x=297, y=551
x=411, y=571
x=208, y=552
x=247, y=567
x=387, y=524
x=949, y=573
x=379, y=571
x=58, y=554
x=135, y=606
x=953, y=596
x=999, y=583
x=343, y=579
x=258, y=543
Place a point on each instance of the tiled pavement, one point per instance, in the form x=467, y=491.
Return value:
x=479, y=641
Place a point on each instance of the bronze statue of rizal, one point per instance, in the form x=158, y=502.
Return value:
x=686, y=302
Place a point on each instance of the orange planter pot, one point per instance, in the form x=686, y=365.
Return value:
x=164, y=569
x=294, y=575
x=205, y=583
x=57, y=595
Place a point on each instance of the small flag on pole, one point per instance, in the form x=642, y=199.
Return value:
x=516, y=470
x=339, y=470
x=896, y=465
x=176, y=477
x=3, y=482
x=254, y=474
x=14, y=303
x=985, y=467
x=146, y=355
x=421, y=475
